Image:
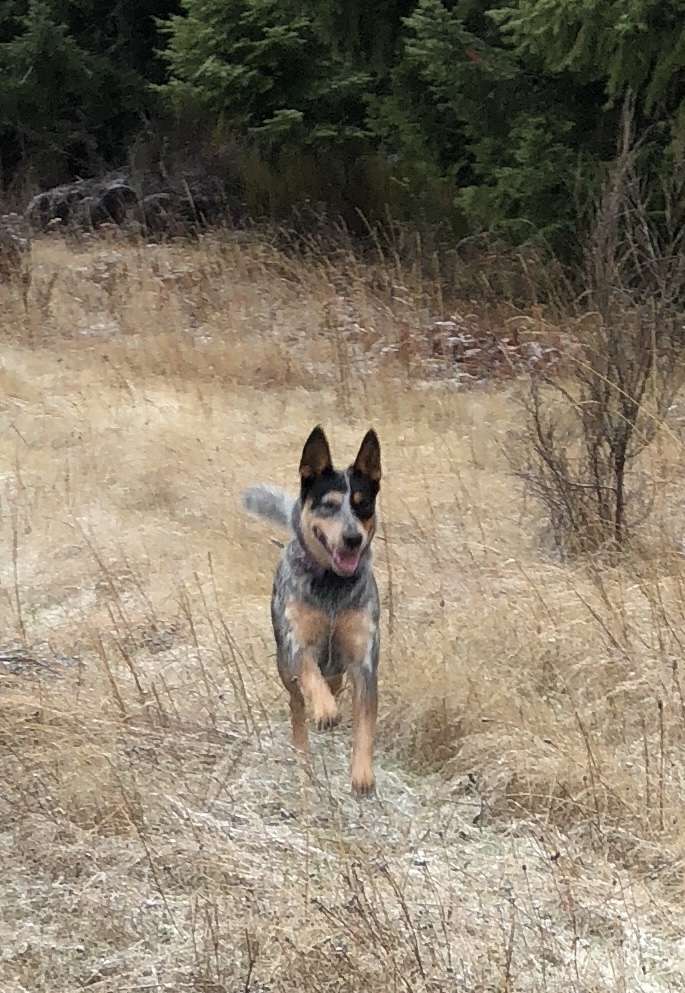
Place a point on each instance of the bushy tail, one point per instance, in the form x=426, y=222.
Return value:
x=270, y=502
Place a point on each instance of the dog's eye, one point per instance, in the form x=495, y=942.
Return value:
x=329, y=506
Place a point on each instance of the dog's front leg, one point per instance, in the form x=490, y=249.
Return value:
x=356, y=637
x=317, y=693
x=306, y=639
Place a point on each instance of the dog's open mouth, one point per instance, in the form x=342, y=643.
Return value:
x=344, y=562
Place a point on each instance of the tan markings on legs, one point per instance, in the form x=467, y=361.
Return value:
x=297, y=716
x=318, y=695
x=309, y=636
x=354, y=634
x=364, y=712
x=335, y=684
x=354, y=631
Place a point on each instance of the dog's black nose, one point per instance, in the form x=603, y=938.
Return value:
x=352, y=539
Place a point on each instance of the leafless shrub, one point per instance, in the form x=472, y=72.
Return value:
x=586, y=433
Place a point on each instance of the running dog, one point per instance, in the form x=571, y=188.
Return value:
x=324, y=604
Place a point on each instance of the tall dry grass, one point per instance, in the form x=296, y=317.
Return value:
x=157, y=832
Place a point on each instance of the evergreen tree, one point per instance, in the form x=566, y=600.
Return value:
x=263, y=67
x=73, y=83
x=514, y=143
x=638, y=45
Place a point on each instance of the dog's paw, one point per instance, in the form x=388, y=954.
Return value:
x=364, y=784
x=325, y=710
x=325, y=722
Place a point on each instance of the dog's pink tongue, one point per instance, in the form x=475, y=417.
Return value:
x=346, y=562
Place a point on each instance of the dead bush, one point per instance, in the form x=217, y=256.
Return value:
x=586, y=432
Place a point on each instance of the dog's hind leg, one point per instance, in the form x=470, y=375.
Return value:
x=298, y=716
x=356, y=638
x=364, y=713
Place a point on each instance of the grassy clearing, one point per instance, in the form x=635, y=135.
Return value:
x=156, y=830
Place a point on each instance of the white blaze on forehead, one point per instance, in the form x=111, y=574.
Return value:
x=347, y=501
x=342, y=501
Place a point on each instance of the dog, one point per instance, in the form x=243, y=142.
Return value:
x=325, y=607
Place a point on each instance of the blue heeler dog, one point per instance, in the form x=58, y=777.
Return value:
x=324, y=604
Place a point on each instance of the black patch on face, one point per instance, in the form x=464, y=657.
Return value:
x=315, y=490
x=363, y=493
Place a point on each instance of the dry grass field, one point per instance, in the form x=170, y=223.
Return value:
x=156, y=830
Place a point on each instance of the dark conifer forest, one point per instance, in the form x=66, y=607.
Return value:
x=457, y=116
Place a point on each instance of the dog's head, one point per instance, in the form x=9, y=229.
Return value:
x=338, y=508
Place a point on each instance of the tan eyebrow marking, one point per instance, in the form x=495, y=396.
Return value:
x=333, y=499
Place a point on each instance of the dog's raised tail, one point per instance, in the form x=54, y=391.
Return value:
x=270, y=502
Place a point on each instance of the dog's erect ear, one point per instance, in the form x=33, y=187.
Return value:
x=368, y=460
x=316, y=456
